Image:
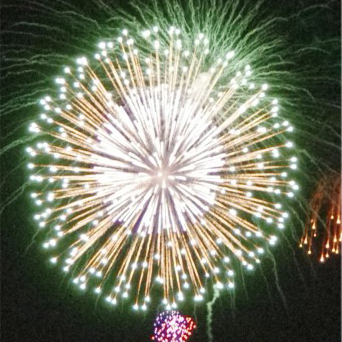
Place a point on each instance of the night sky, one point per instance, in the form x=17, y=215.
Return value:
x=289, y=298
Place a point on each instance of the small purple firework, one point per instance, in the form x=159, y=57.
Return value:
x=173, y=327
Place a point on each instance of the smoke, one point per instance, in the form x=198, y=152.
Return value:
x=210, y=314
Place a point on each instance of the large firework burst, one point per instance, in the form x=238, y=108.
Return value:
x=158, y=168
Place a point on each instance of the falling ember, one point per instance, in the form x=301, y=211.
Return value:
x=326, y=201
x=173, y=327
x=159, y=169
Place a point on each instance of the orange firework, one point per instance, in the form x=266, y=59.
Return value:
x=326, y=201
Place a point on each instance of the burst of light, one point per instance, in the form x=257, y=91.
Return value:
x=173, y=327
x=325, y=202
x=158, y=168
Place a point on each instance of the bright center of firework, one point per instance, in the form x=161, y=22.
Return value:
x=165, y=161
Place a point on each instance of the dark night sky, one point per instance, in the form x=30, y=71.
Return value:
x=288, y=299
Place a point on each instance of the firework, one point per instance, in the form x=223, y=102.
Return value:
x=173, y=327
x=326, y=201
x=159, y=168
